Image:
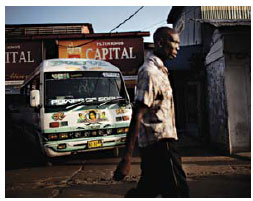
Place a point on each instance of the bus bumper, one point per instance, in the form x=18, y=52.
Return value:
x=68, y=147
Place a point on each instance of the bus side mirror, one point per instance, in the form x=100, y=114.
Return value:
x=34, y=98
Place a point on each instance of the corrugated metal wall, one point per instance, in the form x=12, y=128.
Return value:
x=217, y=106
x=190, y=31
x=225, y=12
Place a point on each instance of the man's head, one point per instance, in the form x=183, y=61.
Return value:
x=166, y=43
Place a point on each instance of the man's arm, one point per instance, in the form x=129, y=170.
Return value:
x=123, y=167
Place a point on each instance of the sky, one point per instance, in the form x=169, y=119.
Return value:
x=102, y=18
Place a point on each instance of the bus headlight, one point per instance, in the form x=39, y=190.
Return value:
x=78, y=134
x=101, y=132
x=122, y=130
x=86, y=133
x=63, y=135
x=109, y=131
x=52, y=136
x=93, y=133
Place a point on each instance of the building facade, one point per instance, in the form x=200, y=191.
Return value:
x=216, y=51
x=27, y=45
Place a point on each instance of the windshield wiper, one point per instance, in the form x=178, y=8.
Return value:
x=106, y=102
x=82, y=102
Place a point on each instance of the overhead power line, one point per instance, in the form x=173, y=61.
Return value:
x=126, y=19
x=184, y=13
x=109, y=32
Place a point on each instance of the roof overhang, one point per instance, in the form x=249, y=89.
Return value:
x=224, y=23
x=174, y=13
x=83, y=36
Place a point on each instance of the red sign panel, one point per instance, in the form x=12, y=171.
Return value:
x=125, y=53
x=21, y=58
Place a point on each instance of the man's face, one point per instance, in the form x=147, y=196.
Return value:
x=170, y=46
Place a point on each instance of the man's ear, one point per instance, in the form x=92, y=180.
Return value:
x=160, y=43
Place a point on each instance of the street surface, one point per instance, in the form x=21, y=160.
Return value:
x=89, y=175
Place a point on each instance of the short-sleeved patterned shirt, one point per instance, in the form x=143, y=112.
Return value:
x=154, y=90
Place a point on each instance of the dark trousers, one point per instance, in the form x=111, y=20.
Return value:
x=162, y=172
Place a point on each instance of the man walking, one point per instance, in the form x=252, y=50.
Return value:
x=153, y=121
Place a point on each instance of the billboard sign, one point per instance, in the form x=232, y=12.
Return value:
x=21, y=58
x=125, y=53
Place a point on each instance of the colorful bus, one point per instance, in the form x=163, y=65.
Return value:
x=78, y=105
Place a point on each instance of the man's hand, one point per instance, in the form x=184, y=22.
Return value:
x=122, y=169
x=124, y=166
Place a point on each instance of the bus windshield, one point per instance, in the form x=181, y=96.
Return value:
x=66, y=88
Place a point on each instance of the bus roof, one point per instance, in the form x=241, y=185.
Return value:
x=74, y=64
